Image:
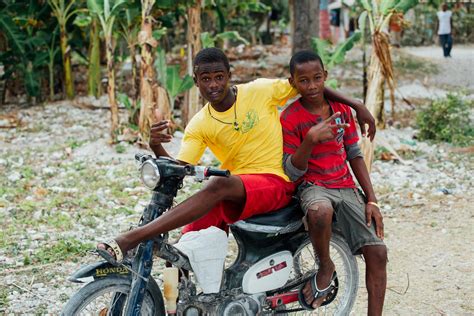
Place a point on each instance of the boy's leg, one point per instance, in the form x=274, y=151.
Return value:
x=319, y=219
x=217, y=190
x=316, y=204
x=375, y=277
x=350, y=218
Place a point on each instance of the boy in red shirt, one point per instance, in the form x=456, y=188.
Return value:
x=315, y=152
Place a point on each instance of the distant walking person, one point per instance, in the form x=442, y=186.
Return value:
x=445, y=26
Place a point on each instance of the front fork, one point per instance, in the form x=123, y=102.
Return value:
x=142, y=264
x=143, y=261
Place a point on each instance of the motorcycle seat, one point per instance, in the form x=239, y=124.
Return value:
x=284, y=220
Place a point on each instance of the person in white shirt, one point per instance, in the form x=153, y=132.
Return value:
x=445, y=26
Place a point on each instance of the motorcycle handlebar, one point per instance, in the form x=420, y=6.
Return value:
x=216, y=172
x=199, y=171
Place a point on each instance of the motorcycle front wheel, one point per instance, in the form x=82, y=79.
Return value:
x=305, y=263
x=108, y=296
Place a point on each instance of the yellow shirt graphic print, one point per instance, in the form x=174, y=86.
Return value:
x=257, y=146
x=251, y=119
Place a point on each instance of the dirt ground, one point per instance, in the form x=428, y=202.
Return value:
x=426, y=200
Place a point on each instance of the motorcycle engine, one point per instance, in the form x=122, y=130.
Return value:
x=214, y=304
x=245, y=306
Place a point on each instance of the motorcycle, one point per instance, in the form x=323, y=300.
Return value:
x=275, y=259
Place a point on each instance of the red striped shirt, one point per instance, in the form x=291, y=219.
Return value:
x=327, y=165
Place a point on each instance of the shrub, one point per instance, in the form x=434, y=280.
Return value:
x=447, y=120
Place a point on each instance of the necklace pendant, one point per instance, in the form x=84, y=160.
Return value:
x=236, y=126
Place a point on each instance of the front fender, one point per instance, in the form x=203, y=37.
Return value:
x=97, y=270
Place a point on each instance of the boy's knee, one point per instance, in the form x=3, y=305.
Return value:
x=220, y=188
x=376, y=254
x=320, y=212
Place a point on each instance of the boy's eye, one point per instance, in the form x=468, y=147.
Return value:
x=220, y=77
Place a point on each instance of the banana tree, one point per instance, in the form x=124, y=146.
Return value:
x=169, y=77
x=91, y=25
x=107, y=11
x=94, y=77
x=25, y=35
x=129, y=28
x=64, y=11
x=380, y=70
x=148, y=83
x=193, y=102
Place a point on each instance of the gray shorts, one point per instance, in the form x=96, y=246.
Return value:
x=349, y=213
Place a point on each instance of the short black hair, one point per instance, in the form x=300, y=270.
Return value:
x=210, y=55
x=302, y=57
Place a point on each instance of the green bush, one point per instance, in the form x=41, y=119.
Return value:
x=447, y=120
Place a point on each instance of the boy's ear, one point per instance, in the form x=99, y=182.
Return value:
x=325, y=75
x=195, y=80
x=291, y=81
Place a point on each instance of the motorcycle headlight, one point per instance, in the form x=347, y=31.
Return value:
x=150, y=174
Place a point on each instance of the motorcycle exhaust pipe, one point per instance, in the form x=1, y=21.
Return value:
x=170, y=285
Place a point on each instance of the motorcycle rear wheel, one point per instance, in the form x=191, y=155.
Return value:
x=101, y=296
x=306, y=263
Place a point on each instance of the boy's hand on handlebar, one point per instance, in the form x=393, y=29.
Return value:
x=156, y=133
x=373, y=212
x=325, y=130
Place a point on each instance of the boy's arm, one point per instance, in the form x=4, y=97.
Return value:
x=319, y=133
x=371, y=209
x=363, y=114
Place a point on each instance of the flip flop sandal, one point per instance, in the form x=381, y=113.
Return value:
x=316, y=293
x=114, y=260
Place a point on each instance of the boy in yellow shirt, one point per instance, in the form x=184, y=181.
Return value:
x=241, y=126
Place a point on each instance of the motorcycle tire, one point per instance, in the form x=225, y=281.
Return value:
x=347, y=271
x=84, y=302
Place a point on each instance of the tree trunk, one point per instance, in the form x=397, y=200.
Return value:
x=94, y=75
x=135, y=74
x=111, y=88
x=152, y=95
x=374, y=102
x=193, y=104
x=305, y=23
x=66, y=54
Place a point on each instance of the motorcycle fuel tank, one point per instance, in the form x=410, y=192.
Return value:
x=269, y=273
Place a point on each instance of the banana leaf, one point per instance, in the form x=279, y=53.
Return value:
x=341, y=50
x=387, y=5
x=207, y=40
x=95, y=6
x=117, y=7
x=405, y=5
x=13, y=33
x=174, y=84
x=366, y=5
x=322, y=47
x=232, y=35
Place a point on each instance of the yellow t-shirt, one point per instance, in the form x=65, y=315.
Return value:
x=257, y=147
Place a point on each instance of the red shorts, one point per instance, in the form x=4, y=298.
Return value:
x=264, y=193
